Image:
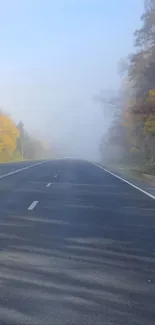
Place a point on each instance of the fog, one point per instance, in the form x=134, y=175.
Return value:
x=55, y=58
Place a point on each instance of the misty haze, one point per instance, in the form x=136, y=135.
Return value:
x=55, y=58
x=77, y=162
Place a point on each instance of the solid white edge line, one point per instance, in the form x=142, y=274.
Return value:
x=125, y=181
x=21, y=169
x=32, y=205
x=48, y=185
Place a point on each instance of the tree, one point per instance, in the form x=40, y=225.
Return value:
x=145, y=36
x=20, y=141
x=8, y=137
x=133, y=129
x=29, y=147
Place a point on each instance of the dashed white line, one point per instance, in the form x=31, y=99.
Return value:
x=32, y=206
x=48, y=185
x=55, y=176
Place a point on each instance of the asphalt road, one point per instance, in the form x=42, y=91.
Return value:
x=10, y=167
x=77, y=247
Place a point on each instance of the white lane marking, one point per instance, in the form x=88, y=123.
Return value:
x=48, y=185
x=32, y=206
x=125, y=181
x=55, y=176
x=21, y=169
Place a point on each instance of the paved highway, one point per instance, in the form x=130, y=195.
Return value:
x=77, y=247
x=14, y=166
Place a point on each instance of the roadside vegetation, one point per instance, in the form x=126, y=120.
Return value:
x=17, y=144
x=130, y=140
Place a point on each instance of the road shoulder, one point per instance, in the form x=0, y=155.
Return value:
x=143, y=182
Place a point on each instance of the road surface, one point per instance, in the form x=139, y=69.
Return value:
x=77, y=247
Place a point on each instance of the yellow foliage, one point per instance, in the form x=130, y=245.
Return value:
x=8, y=134
x=134, y=150
x=152, y=93
x=149, y=125
x=151, y=96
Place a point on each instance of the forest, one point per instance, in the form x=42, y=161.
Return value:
x=130, y=139
x=16, y=144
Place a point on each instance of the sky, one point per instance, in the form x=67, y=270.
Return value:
x=55, y=57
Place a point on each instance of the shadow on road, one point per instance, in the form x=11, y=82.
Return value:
x=75, y=272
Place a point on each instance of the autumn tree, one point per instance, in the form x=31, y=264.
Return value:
x=135, y=127
x=142, y=73
x=9, y=134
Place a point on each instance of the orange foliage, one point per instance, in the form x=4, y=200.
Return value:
x=8, y=134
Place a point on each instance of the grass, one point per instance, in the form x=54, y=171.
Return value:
x=143, y=167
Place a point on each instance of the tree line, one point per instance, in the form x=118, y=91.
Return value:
x=131, y=134
x=17, y=144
